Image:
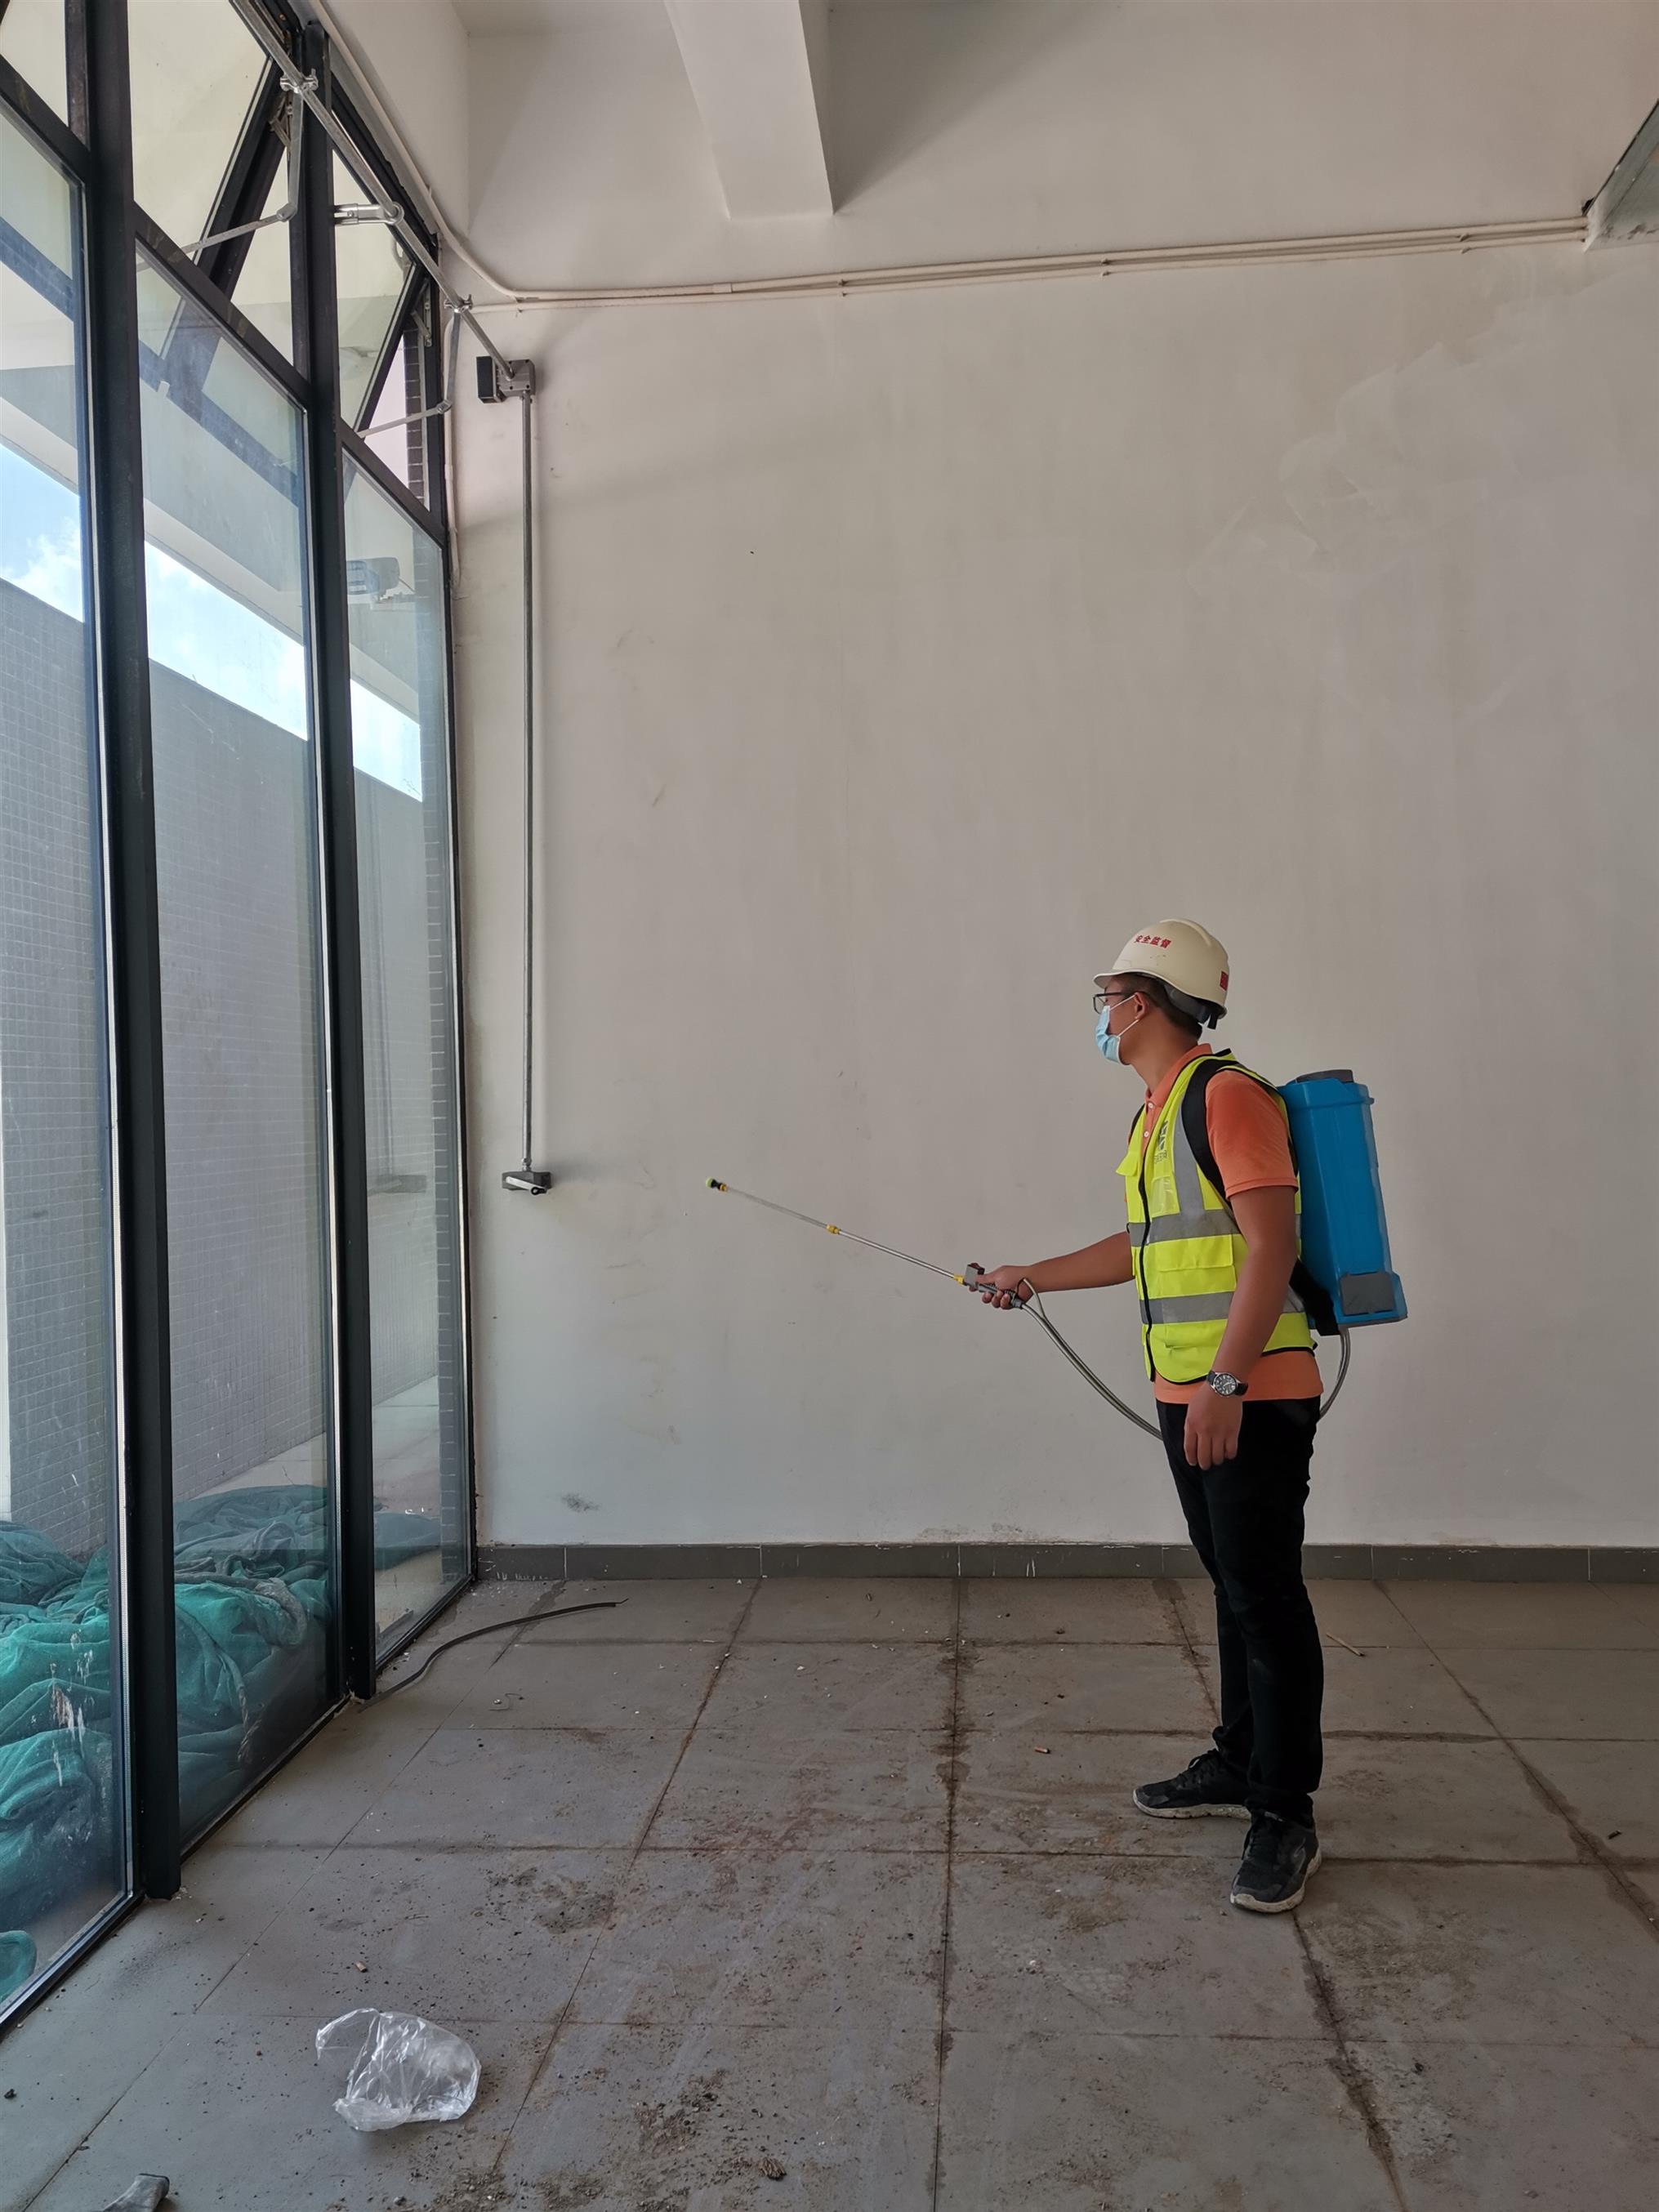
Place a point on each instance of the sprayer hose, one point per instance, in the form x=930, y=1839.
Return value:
x=1033, y=1305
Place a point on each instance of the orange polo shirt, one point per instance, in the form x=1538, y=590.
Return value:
x=1252, y=1148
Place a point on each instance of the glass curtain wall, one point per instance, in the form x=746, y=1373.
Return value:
x=32, y=40
x=197, y=76
x=372, y=284
x=62, y=1809
x=242, y=1049
x=286, y=1491
x=400, y=741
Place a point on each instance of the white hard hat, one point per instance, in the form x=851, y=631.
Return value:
x=1181, y=955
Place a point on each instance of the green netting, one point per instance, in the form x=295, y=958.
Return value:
x=251, y=1605
x=54, y=1797
x=31, y=1569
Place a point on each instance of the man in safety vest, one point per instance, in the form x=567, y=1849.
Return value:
x=1211, y=1248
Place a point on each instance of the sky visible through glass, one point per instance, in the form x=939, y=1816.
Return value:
x=196, y=629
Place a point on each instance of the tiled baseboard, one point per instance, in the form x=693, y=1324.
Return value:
x=1484, y=1563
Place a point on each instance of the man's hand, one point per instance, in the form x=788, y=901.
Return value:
x=1000, y=1286
x=1213, y=1426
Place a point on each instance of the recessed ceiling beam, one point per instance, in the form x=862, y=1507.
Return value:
x=756, y=69
x=1627, y=205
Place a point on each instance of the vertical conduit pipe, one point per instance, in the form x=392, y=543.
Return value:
x=520, y=384
x=526, y=401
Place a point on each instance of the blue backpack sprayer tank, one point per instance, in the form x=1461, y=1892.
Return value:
x=1345, y=1276
x=1345, y=1232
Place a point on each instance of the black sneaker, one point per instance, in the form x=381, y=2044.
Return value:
x=1279, y=1856
x=1208, y=1786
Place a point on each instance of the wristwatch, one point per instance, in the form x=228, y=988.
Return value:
x=1225, y=1386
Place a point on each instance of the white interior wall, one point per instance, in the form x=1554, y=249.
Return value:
x=902, y=654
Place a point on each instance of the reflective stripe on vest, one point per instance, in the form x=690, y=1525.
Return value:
x=1186, y=1250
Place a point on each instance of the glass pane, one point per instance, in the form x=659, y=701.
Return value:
x=263, y=289
x=236, y=844
x=63, y=1819
x=371, y=270
x=389, y=432
x=196, y=71
x=400, y=742
x=32, y=41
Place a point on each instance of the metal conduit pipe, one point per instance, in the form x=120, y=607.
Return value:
x=1351, y=245
x=451, y=364
x=521, y=385
x=532, y=1180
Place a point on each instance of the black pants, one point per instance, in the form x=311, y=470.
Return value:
x=1245, y=1521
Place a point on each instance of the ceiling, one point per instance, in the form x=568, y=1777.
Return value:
x=636, y=141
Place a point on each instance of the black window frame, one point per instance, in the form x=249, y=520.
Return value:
x=95, y=148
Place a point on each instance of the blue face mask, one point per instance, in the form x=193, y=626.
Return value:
x=1111, y=1047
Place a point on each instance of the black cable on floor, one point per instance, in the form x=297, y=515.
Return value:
x=494, y=1628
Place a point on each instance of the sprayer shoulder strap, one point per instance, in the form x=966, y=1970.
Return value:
x=1194, y=1113
x=1195, y=1121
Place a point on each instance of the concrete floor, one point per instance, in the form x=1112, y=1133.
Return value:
x=828, y=1895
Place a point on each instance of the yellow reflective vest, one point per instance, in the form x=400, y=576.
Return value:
x=1186, y=1247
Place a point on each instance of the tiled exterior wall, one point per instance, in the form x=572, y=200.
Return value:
x=244, y=1142
x=246, y=1147
x=53, y=1106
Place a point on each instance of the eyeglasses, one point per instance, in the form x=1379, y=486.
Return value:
x=1104, y=998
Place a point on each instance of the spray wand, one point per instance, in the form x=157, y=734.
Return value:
x=973, y=1278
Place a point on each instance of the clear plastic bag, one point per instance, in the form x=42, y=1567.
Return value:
x=145, y=2192
x=402, y=2068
